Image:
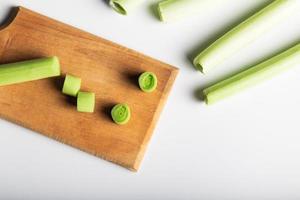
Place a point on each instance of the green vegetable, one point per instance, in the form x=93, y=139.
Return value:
x=245, y=33
x=253, y=75
x=72, y=85
x=124, y=6
x=29, y=70
x=171, y=10
x=86, y=102
x=148, y=81
x=121, y=114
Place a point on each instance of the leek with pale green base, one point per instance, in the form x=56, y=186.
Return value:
x=245, y=33
x=172, y=10
x=29, y=70
x=124, y=6
x=253, y=76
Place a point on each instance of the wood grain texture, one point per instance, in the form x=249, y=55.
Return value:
x=107, y=69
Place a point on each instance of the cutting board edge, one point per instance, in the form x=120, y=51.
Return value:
x=15, y=122
x=143, y=147
x=15, y=13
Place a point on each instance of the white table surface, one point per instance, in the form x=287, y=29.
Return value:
x=247, y=147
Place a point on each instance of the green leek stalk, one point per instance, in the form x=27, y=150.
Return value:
x=29, y=70
x=245, y=33
x=172, y=10
x=253, y=75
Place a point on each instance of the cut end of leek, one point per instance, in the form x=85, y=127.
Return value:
x=121, y=114
x=148, y=82
x=200, y=68
x=117, y=6
x=198, y=65
x=55, y=65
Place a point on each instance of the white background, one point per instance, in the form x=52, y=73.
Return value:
x=247, y=147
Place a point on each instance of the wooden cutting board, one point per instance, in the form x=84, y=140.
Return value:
x=107, y=69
